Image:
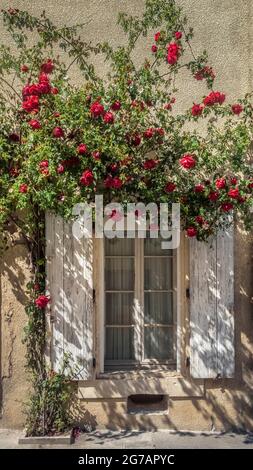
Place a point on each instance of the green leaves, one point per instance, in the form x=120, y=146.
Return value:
x=143, y=125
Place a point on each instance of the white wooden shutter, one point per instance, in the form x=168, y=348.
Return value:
x=70, y=286
x=211, y=307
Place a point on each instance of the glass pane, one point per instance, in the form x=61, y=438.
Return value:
x=119, y=247
x=153, y=247
x=119, y=308
x=158, y=307
x=158, y=343
x=119, y=344
x=119, y=274
x=157, y=273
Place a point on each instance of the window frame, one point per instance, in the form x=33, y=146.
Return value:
x=99, y=278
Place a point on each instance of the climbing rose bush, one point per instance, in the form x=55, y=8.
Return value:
x=121, y=136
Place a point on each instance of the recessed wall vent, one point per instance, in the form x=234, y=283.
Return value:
x=147, y=404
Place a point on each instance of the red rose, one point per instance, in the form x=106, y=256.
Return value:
x=60, y=169
x=215, y=97
x=178, y=35
x=26, y=90
x=31, y=104
x=108, y=118
x=136, y=140
x=191, y=232
x=47, y=67
x=42, y=301
x=213, y=196
x=168, y=106
x=187, y=161
x=108, y=182
x=14, y=137
x=157, y=36
x=227, y=206
x=199, y=75
x=44, y=88
x=116, y=106
x=56, y=114
x=160, y=131
x=87, y=178
x=97, y=109
x=113, y=167
x=199, y=188
x=150, y=164
x=154, y=48
x=220, y=183
x=82, y=149
x=234, y=193
x=148, y=134
x=96, y=155
x=170, y=187
x=29, y=90
x=117, y=182
x=237, y=108
x=172, y=59
x=58, y=132
x=43, y=167
x=205, y=72
x=23, y=188
x=197, y=110
x=14, y=172
x=173, y=53
x=43, y=77
x=233, y=180
x=173, y=48
x=34, y=123
x=199, y=219
x=45, y=172
x=44, y=164
x=24, y=68
x=55, y=91
x=71, y=162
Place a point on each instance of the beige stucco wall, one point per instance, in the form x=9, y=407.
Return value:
x=13, y=385
x=225, y=29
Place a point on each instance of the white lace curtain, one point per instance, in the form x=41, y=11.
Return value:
x=156, y=300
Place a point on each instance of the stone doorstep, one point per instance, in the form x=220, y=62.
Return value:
x=63, y=439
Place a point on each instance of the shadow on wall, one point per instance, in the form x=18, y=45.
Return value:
x=13, y=271
x=227, y=404
x=14, y=275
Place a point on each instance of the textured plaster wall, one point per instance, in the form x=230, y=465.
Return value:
x=225, y=29
x=13, y=384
